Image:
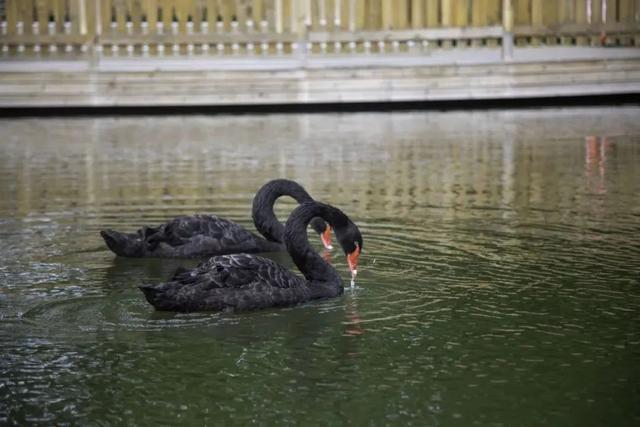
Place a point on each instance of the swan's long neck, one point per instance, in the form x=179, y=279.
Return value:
x=262, y=211
x=308, y=261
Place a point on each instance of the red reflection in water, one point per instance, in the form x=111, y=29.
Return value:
x=596, y=149
x=354, y=328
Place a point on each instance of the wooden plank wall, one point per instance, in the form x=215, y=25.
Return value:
x=245, y=26
x=325, y=14
x=577, y=22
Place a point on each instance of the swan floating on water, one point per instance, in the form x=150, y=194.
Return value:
x=201, y=236
x=250, y=282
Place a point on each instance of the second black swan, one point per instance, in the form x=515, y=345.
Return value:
x=250, y=282
x=201, y=236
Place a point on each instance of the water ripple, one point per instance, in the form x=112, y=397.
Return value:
x=499, y=281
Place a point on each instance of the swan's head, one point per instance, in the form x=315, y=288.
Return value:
x=324, y=230
x=351, y=242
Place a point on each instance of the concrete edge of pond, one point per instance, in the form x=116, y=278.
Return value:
x=463, y=78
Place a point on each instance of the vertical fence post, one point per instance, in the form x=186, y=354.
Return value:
x=445, y=13
x=431, y=14
x=352, y=15
x=361, y=14
x=611, y=18
x=337, y=15
x=300, y=22
x=88, y=16
x=565, y=15
x=536, y=19
x=400, y=17
x=294, y=7
x=637, y=20
x=95, y=43
x=279, y=18
x=257, y=13
x=494, y=16
x=522, y=16
x=417, y=13
x=479, y=14
x=595, y=19
x=11, y=10
x=625, y=14
x=387, y=15
x=581, y=18
x=461, y=17
x=507, y=30
x=446, y=21
x=82, y=17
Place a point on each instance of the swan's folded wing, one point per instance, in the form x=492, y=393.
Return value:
x=184, y=229
x=230, y=282
x=240, y=271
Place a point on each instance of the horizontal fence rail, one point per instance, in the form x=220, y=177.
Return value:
x=96, y=28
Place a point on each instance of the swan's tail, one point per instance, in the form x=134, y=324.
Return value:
x=159, y=296
x=150, y=293
x=127, y=245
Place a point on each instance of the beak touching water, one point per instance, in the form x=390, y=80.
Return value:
x=352, y=259
x=326, y=237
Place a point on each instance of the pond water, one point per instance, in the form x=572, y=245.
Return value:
x=499, y=283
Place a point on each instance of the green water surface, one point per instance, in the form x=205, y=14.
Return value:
x=499, y=284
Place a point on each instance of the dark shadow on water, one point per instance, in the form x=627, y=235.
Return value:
x=138, y=271
x=630, y=98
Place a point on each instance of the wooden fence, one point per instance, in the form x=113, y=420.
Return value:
x=283, y=27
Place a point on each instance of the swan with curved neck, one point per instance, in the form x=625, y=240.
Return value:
x=207, y=235
x=250, y=282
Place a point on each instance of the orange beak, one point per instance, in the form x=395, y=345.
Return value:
x=326, y=237
x=352, y=259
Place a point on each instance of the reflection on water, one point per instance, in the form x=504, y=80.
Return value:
x=499, y=284
x=596, y=157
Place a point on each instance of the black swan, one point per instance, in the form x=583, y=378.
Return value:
x=200, y=236
x=249, y=282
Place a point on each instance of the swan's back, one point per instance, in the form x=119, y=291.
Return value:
x=187, y=237
x=183, y=229
x=230, y=282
